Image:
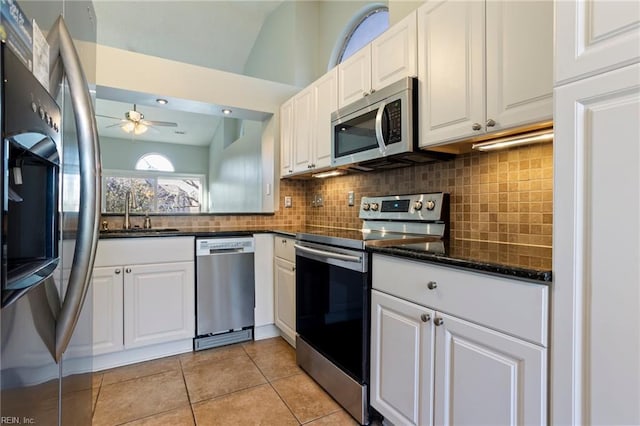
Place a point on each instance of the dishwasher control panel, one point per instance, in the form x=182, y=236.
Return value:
x=205, y=247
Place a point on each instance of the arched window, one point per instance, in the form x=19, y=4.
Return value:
x=157, y=162
x=368, y=24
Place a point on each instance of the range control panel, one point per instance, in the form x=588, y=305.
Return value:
x=430, y=207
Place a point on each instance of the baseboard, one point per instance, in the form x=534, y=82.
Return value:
x=265, y=332
x=132, y=356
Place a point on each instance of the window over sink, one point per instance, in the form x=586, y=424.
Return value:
x=152, y=192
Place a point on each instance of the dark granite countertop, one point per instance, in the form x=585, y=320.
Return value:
x=513, y=260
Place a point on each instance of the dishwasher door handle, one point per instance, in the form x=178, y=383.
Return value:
x=225, y=251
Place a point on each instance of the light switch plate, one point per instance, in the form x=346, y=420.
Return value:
x=287, y=201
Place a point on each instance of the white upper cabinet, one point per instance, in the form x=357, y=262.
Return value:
x=306, y=126
x=304, y=118
x=597, y=36
x=354, y=77
x=451, y=70
x=326, y=102
x=483, y=67
x=393, y=53
x=387, y=59
x=286, y=138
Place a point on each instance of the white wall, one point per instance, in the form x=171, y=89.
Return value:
x=235, y=180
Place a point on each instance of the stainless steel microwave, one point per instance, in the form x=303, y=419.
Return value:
x=382, y=125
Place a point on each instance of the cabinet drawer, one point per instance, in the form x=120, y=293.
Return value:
x=284, y=248
x=515, y=307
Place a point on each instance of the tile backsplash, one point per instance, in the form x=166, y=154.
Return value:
x=504, y=196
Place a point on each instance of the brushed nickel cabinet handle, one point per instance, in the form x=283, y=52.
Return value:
x=476, y=126
x=117, y=271
x=425, y=317
x=491, y=122
x=432, y=285
x=128, y=270
x=438, y=321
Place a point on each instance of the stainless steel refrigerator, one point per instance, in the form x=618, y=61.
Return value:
x=50, y=215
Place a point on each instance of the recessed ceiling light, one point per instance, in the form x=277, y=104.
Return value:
x=180, y=132
x=162, y=101
x=226, y=111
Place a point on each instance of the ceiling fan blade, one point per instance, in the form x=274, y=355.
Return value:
x=159, y=123
x=108, y=116
x=114, y=125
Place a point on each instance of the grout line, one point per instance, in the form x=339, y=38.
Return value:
x=186, y=389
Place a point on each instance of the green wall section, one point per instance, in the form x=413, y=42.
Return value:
x=122, y=154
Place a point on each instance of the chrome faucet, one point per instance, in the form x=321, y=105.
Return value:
x=127, y=202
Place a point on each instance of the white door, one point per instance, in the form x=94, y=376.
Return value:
x=354, y=77
x=285, y=298
x=484, y=377
x=326, y=97
x=402, y=345
x=108, y=309
x=519, y=65
x=304, y=120
x=451, y=70
x=596, y=36
x=286, y=138
x=596, y=243
x=393, y=53
x=159, y=303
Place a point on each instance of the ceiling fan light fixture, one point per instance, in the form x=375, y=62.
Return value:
x=135, y=128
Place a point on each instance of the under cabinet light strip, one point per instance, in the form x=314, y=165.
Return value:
x=517, y=140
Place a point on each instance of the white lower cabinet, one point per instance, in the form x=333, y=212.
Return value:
x=158, y=303
x=430, y=367
x=143, y=297
x=285, y=288
x=108, y=315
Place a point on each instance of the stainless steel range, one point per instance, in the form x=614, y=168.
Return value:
x=333, y=289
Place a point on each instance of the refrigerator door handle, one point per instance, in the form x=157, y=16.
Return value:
x=62, y=47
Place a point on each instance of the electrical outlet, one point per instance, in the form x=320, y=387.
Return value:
x=319, y=200
x=287, y=201
x=351, y=198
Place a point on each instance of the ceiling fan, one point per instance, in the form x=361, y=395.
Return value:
x=134, y=122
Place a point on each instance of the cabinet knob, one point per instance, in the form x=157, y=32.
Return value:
x=284, y=241
x=491, y=122
x=293, y=269
x=290, y=171
x=476, y=126
x=128, y=270
x=117, y=271
x=432, y=285
x=438, y=321
x=425, y=317
x=365, y=93
x=372, y=91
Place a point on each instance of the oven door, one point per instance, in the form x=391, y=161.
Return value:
x=332, y=305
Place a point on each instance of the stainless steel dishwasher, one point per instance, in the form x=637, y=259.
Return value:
x=225, y=291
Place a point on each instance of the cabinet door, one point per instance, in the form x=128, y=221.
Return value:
x=519, y=65
x=159, y=304
x=326, y=97
x=285, y=298
x=354, y=77
x=596, y=305
x=596, y=36
x=108, y=308
x=451, y=70
x=303, y=116
x=286, y=138
x=393, y=53
x=486, y=377
x=402, y=345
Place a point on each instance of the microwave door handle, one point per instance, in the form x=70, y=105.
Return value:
x=61, y=44
x=379, y=135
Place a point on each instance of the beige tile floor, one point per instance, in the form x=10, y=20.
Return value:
x=254, y=383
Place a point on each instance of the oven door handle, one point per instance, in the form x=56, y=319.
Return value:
x=329, y=254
